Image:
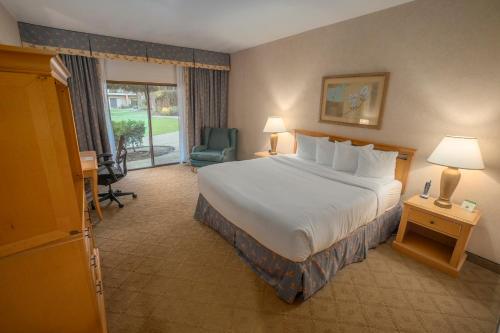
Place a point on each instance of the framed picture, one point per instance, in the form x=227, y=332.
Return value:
x=354, y=100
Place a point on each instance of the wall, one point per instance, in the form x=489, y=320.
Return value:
x=444, y=60
x=118, y=70
x=9, y=32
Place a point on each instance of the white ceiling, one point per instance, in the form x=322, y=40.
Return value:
x=218, y=25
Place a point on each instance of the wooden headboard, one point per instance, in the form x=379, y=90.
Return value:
x=403, y=162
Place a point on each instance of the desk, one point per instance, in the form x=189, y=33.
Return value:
x=89, y=168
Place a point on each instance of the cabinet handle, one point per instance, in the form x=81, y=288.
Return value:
x=93, y=261
x=98, y=287
x=432, y=222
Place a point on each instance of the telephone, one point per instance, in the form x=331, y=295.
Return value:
x=427, y=187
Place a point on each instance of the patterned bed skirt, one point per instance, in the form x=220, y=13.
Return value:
x=300, y=280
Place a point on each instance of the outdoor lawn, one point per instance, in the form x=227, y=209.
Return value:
x=160, y=124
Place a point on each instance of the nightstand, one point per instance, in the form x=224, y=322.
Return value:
x=264, y=154
x=435, y=236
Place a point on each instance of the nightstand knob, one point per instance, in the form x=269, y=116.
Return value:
x=432, y=222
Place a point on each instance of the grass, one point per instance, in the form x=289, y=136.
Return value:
x=160, y=124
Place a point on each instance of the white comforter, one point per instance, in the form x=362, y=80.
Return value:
x=294, y=207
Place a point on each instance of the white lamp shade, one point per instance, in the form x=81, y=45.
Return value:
x=274, y=125
x=458, y=152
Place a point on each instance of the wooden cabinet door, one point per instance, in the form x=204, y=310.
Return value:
x=100, y=292
x=49, y=289
x=37, y=200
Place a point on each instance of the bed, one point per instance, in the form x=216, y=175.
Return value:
x=296, y=222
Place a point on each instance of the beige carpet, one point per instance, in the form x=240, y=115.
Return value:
x=164, y=272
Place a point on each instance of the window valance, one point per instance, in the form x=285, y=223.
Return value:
x=100, y=46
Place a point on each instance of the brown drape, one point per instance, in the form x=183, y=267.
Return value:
x=87, y=101
x=206, y=91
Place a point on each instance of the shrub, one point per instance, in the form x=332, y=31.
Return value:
x=133, y=130
x=169, y=111
x=165, y=101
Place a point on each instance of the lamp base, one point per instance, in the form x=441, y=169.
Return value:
x=449, y=181
x=442, y=203
x=274, y=143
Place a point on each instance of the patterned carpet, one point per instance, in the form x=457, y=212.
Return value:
x=165, y=272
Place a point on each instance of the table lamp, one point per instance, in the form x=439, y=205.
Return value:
x=274, y=125
x=454, y=152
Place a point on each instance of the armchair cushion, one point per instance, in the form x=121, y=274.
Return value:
x=219, y=139
x=208, y=155
x=199, y=148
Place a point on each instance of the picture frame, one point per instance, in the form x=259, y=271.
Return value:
x=354, y=99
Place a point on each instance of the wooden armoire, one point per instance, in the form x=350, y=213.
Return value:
x=50, y=278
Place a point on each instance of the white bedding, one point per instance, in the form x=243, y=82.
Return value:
x=294, y=207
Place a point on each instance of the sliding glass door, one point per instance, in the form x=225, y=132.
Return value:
x=165, y=123
x=147, y=116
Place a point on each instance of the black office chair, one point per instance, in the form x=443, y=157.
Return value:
x=112, y=171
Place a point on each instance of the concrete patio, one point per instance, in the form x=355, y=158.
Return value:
x=168, y=139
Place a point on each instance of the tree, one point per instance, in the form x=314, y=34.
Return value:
x=133, y=130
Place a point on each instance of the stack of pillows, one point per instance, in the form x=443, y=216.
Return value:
x=362, y=161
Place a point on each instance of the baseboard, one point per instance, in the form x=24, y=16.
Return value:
x=483, y=262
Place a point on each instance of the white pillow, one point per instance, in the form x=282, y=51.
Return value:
x=325, y=150
x=377, y=164
x=346, y=157
x=306, y=146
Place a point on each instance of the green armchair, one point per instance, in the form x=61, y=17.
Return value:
x=218, y=146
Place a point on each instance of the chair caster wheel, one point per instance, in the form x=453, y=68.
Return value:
x=120, y=206
x=134, y=196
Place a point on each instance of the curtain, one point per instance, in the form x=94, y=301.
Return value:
x=101, y=70
x=181, y=107
x=87, y=101
x=207, y=92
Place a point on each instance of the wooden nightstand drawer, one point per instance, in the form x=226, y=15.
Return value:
x=434, y=222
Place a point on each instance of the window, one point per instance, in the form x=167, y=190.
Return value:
x=147, y=116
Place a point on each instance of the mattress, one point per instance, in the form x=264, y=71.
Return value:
x=294, y=207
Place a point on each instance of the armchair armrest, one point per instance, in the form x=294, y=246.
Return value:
x=105, y=156
x=229, y=154
x=199, y=148
x=106, y=163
